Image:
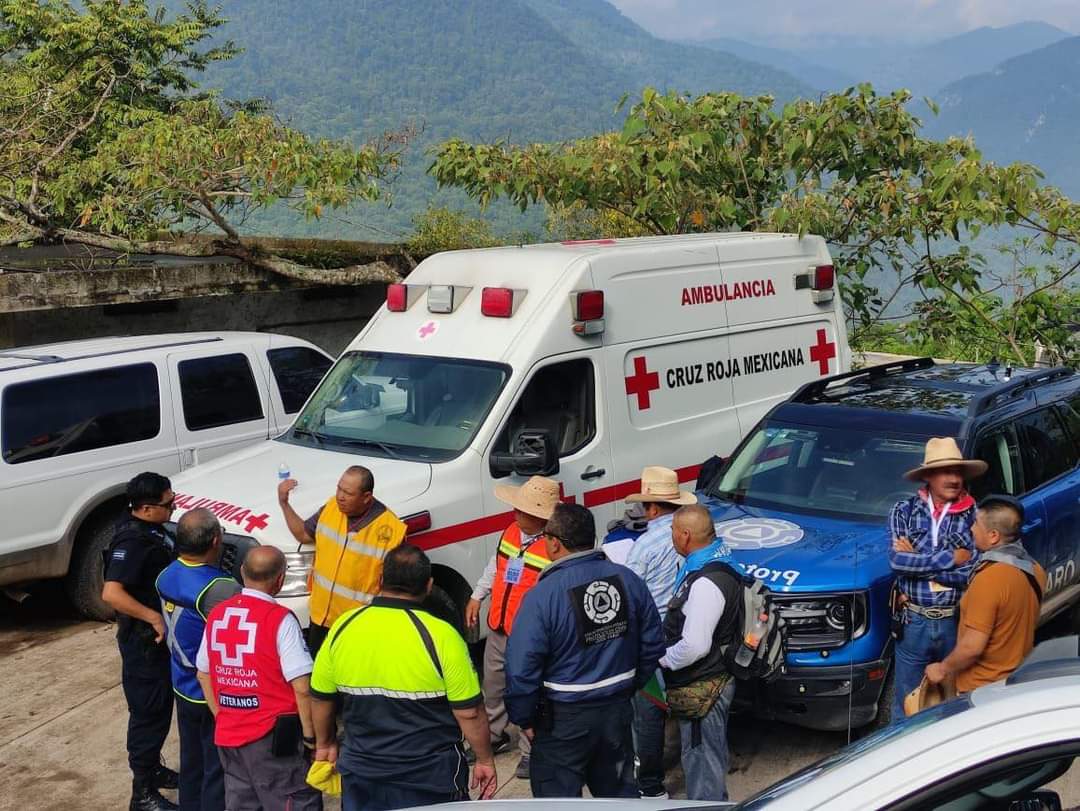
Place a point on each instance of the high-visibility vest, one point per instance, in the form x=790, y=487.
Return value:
x=348, y=565
x=506, y=597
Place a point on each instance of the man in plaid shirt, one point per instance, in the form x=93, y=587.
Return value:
x=931, y=554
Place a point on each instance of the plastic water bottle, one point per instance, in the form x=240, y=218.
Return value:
x=753, y=637
x=283, y=472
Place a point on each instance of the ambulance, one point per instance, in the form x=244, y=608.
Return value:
x=583, y=361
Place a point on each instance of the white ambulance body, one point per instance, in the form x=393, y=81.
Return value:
x=586, y=361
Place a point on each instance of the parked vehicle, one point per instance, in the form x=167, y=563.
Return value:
x=998, y=748
x=78, y=419
x=804, y=499
x=583, y=360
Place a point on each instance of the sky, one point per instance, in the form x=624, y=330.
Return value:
x=776, y=20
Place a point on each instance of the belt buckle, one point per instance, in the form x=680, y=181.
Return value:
x=936, y=613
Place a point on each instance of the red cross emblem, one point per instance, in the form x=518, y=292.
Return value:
x=823, y=351
x=641, y=382
x=233, y=639
x=430, y=328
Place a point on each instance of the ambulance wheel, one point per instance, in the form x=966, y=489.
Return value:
x=86, y=575
x=442, y=605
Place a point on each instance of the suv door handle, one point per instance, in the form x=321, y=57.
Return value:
x=1031, y=525
x=593, y=473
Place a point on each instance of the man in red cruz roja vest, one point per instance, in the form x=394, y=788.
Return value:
x=255, y=671
x=511, y=572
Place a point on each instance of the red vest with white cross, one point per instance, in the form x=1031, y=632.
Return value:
x=245, y=669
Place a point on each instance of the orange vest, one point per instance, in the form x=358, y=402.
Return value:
x=506, y=597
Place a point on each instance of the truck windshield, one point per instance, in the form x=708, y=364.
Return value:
x=399, y=406
x=825, y=470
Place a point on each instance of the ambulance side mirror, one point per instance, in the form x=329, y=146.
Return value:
x=534, y=454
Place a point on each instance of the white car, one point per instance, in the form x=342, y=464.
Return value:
x=996, y=749
x=80, y=418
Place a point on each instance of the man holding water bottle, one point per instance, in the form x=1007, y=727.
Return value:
x=352, y=534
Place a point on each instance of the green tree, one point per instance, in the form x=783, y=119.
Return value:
x=850, y=166
x=106, y=141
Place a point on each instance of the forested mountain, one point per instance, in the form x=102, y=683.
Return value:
x=526, y=70
x=1028, y=108
x=817, y=76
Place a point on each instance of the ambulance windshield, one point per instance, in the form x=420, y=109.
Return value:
x=399, y=406
x=828, y=470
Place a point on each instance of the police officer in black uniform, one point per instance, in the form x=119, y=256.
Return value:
x=139, y=551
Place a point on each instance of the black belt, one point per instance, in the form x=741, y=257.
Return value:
x=934, y=612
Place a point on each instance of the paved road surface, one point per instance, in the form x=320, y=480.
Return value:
x=63, y=718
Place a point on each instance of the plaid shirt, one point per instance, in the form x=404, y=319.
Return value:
x=916, y=570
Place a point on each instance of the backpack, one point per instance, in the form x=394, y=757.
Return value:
x=756, y=615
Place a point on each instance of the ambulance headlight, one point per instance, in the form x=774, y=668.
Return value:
x=297, y=572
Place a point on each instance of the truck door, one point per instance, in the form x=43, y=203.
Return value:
x=220, y=406
x=563, y=397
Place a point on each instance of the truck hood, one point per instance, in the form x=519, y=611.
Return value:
x=795, y=552
x=241, y=488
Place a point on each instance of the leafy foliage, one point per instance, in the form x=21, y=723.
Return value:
x=105, y=140
x=850, y=166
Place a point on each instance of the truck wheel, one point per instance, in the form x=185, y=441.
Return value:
x=86, y=575
x=443, y=606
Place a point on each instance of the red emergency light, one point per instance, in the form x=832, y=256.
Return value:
x=397, y=298
x=588, y=305
x=824, y=277
x=497, y=302
x=417, y=522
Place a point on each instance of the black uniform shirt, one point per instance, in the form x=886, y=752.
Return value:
x=136, y=556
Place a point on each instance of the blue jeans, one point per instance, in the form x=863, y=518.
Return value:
x=649, y=746
x=202, y=778
x=705, y=755
x=924, y=641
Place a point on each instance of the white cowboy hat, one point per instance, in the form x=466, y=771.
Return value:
x=662, y=484
x=537, y=497
x=944, y=452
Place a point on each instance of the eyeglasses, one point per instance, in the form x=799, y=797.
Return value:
x=553, y=535
x=168, y=505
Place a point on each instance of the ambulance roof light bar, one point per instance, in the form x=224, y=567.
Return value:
x=400, y=297
x=497, y=302
x=587, y=307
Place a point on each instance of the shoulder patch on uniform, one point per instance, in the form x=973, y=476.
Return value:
x=119, y=554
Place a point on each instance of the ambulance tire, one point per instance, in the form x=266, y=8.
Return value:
x=442, y=605
x=86, y=575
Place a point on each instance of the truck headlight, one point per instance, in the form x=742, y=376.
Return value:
x=297, y=572
x=824, y=621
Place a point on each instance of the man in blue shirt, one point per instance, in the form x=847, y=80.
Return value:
x=587, y=636
x=189, y=588
x=653, y=558
x=931, y=554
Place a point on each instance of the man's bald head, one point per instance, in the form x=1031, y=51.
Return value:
x=264, y=569
x=692, y=529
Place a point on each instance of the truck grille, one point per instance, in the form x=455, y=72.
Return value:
x=822, y=622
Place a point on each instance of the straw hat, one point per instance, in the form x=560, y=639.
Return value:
x=537, y=497
x=662, y=484
x=944, y=452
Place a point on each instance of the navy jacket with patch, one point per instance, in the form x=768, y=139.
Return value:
x=587, y=631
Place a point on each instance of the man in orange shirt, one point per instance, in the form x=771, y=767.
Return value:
x=513, y=570
x=1000, y=609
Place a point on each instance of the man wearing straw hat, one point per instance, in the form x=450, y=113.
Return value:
x=931, y=554
x=512, y=571
x=653, y=558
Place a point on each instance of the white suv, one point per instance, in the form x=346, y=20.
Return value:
x=78, y=419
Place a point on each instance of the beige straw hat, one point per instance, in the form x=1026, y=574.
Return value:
x=944, y=452
x=537, y=497
x=662, y=484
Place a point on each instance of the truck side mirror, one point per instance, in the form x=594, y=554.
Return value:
x=534, y=454
x=1041, y=800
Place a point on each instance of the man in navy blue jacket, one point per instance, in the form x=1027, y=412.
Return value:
x=586, y=637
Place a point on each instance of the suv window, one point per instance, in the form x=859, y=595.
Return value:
x=561, y=399
x=80, y=412
x=1000, y=450
x=1071, y=411
x=297, y=370
x=217, y=391
x=1047, y=450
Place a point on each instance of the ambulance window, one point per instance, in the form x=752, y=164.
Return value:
x=561, y=399
x=297, y=370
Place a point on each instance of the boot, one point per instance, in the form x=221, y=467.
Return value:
x=164, y=777
x=146, y=798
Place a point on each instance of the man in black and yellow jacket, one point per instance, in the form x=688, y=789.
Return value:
x=352, y=534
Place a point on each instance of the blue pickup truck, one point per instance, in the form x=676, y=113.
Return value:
x=803, y=502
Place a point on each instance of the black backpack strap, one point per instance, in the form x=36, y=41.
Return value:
x=425, y=636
